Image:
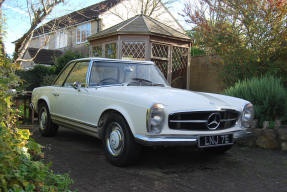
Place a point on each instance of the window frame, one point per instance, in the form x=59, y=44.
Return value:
x=89, y=32
x=67, y=65
x=87, y=74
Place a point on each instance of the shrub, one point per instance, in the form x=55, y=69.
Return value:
x=20, y=165
x=34, y=77
x=267, y=94
x=44, y=75
x=61, y=61
x=48, y=80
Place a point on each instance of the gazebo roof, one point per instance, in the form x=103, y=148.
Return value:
x=141, y=25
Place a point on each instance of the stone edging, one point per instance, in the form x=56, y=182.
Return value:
x=267, y=139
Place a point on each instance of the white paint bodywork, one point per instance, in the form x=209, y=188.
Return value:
x=86, y=105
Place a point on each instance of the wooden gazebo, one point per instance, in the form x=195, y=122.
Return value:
x=144, y=38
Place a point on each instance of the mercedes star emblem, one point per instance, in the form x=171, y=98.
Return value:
x=213, y=121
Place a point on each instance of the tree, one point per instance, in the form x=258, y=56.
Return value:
x=38, y=10
x=151, y=8
x=250, y=36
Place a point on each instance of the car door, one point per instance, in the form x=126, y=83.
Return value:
x=56, y=89
x=70, y=99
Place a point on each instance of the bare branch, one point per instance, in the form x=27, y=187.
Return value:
x=38, y=14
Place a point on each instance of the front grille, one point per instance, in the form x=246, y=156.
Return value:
x=197, y=120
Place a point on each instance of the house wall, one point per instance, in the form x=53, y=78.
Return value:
x=72, y=45
x=129, y=8
x=27, y=65
x=120, y=12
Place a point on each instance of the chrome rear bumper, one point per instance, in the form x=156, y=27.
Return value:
x=173, y=140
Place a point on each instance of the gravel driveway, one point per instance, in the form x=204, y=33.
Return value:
x=165, y=169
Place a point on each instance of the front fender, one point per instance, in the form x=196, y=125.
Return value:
x=123, y=112
x=42, y=98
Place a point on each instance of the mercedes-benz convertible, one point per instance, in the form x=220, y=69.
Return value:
x=128, y=104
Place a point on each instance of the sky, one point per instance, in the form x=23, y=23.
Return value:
x=18, y=20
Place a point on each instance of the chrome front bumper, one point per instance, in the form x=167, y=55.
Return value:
x=173, y=140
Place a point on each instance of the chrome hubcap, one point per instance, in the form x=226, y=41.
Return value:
x=43, y=119
x=115, y=140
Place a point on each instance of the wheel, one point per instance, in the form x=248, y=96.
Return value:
x=119, y=144
x=218, y=150
x=46, y=127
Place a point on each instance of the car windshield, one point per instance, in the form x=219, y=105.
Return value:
x=130, y=74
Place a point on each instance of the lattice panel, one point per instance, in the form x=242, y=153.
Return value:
x=159, y=50
x=179, y=58
x=162, y=65
x=133, y=49
x=179, y=67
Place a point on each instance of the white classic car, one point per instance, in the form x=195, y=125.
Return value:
x=127, y=104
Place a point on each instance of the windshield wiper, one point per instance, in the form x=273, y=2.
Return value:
x=144, y=82
x=157, y=84
x=141, y=80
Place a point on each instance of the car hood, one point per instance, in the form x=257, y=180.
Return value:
x=175, y=99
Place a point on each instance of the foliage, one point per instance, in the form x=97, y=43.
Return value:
x=48, y=80
x=197, y=48
x=267, y=94
x=34, y=77
x=20, y=165
x=61, y=61
x=250, y=36
x=42, y=75
x=20, y=169
x=195, y=51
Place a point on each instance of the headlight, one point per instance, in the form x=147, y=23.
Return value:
x=247, y=115
x=155, y=118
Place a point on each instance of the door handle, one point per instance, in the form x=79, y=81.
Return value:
x=56, y=94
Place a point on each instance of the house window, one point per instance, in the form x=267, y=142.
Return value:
x=61, y=40
x=97, y=51
x=44, y=42
x=83, y=32
x=111, y=50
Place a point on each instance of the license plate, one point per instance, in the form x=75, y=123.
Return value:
x=215, y=140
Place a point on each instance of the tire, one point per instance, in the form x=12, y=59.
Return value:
x=46, y=127
x=119, y=143
x=218, y=150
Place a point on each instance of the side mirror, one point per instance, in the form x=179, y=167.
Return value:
x=77, y=85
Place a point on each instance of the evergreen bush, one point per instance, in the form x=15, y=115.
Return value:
x=267, y=94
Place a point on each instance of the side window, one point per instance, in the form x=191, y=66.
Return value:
x=64, y=75
x=79, y=74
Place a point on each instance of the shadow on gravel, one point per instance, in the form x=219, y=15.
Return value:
x=184, y=159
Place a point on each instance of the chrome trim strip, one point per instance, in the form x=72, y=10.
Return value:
x=53, y=116
x=89, y=74
x=188, y=121
x=183, y=139
x=199, y=121
x=166, y=140
x=224, y=120
x=217, y=109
